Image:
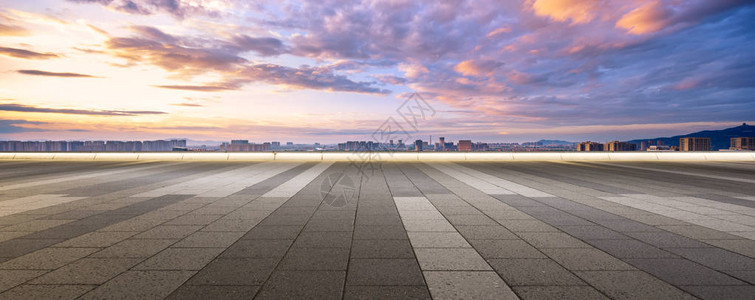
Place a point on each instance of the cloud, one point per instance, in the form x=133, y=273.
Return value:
x=12, y=126
x=54, y=74
x=26, y=54
x=187, y=104
x=188, y=57
x=35, y=109
x=176, y=8
x=198, y=88
x=265, y=46
x=477, y=67
x=316, y=78
x=648, y=18
x=391, y=79
x=11, y=30
x=578, y=11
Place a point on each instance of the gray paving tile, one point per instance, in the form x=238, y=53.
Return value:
x=140, y=285
x=632, y=285
x=326, y=239
x=135, y=248
x=666, y=239
x=197, y=292
x=97, y=239
x=194, y=219
x=304, y=285
x=505, y=249
x=716, y=258
x=683, y=272
x=467, y=285
x=381, y=249
x=382, y=219
x=11, y=278
x=436, y=240
x=698, y=232
x=168, y=232
x=87, y=271
x=180, y=259
x=386, y=292
x=381, y=232
x=48, y=258
x=257, y=249
x=543, y=272
x=380, y=272
x=526, y=225
x=711, y=292
x=207, y=239
x=630, y=249
x=593, y=232
x=475, y=219
x=626, y=225
x=450, y=259
x=585, y=259
x=46, y=292
x=558, y=292
x=261, y=232
x=330, y=225
x=552, y=240
x=315, y=259
x=235, y=271
x=486, y=233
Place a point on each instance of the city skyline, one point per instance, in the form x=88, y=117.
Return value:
x=219, y=70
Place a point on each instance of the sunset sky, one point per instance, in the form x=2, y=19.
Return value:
x=329, y=71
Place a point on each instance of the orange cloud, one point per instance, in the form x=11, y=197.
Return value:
x=498, y=31
x=578, y=11
x=648, y=18
x=477, y=68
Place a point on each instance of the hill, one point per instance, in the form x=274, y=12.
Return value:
x=719, y=139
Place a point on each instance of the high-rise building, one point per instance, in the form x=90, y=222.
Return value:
x=442, y=143
x=620, y=146
x=590, y=146
x=742, y=143
x=465, y=145
x=694, y=144
x=418, y=145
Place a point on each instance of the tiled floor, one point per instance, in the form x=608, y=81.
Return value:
x=332, y=230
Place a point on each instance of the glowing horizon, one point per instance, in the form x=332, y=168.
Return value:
x=496, y=71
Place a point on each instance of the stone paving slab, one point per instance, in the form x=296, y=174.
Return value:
x=401, y=230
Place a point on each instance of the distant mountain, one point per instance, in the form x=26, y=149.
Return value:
x=556, y=143
x=719, y=139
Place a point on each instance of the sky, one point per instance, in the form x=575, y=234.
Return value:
x=329, y=71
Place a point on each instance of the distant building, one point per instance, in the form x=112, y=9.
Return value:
x=418, y=145
x=464, y=145
x=661, y=148
x=620, y=146
x=244, y=146
x=590, y=146
x=441, y=144
x=742, y=143
x=480, y=146
x=694, y=144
